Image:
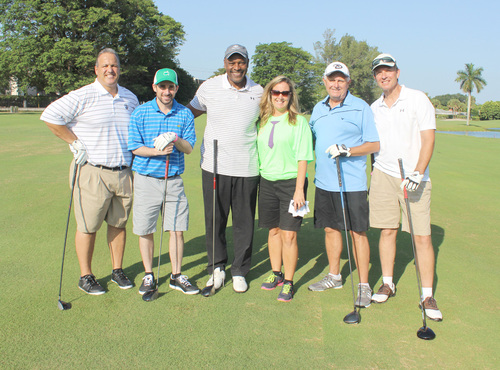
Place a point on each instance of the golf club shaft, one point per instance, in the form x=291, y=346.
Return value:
x=412, y=235
x=339, y=175
x=162, y=218
x=213, y=210
x=67, y=225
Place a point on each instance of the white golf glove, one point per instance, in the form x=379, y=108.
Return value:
x=79, y=152
x=163, y=140
x=412, y=181
x=336, y=150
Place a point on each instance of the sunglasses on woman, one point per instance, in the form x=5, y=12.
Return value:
x=278, y=93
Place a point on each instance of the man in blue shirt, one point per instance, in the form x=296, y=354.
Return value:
x=159, y=128
x=343, y=126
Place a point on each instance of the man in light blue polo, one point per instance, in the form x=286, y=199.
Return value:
x=343, y=126
x=159, y=128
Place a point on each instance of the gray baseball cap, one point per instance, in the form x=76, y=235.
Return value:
x=236, y=49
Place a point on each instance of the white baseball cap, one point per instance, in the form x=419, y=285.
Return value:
x=337, y=67
x=383, y=60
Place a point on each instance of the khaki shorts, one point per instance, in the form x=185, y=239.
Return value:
x=101, y=195
x=387, y=203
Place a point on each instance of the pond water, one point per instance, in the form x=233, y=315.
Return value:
x=489, y=134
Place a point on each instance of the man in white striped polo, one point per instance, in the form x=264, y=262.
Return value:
x=94, y=120
x=231, y=102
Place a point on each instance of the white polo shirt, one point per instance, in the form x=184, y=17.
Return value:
x=231, y=117
x=99, y=120
x=399, y=130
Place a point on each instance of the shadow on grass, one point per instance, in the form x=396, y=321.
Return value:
x=311, y=251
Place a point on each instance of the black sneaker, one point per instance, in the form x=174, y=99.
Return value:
x=182, y=284
x=148, y=283
x=89, y=285
x=119, y=278
x=286, y=294
x=272, y=281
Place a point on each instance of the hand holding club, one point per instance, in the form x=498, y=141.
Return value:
x=79, y=152
x=411, y=182
x=336, y=150
x=163, y=140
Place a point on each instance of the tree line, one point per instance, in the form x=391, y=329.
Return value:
x=51, y=46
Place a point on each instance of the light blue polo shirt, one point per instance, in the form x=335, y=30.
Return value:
x=148, y=122
x=350, y=123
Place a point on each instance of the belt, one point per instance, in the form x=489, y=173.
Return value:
x=119, y=168
x=160, y=178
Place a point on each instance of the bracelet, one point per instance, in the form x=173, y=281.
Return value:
x=176, y=138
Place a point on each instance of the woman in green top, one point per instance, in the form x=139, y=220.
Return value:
x=285, y=146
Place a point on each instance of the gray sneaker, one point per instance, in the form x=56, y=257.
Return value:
x=364, y=296
x=326, y=283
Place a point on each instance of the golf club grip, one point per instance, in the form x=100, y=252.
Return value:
x=167, y=164
x=215, y=159
x=402, y=172
x=337, y=161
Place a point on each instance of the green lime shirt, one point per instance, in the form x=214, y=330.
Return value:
x=292, y=143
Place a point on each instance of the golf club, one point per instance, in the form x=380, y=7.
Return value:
x=152, y=294
x=354, y=317
x=424, y=332
x=61, y=304
x=209, y=290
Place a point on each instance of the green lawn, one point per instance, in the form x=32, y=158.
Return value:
x=251, y=330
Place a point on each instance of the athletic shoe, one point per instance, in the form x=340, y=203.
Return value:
x=384, y=293
x=326, y=283
x=431, y=309
x=286, y=294
x=239, y=284
x=272, y=281
x=119, y=278
x=148, y=283
x=183, y=285
x=220, y=276
x=364, y=296
x=89, y=285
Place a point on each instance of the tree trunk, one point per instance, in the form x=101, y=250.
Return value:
x=468, y=107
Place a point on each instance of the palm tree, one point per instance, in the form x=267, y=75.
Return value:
x=470, y=78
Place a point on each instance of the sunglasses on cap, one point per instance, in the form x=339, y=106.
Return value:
x=278, y=93
x=378, y=61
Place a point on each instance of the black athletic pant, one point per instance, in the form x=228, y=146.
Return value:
x=238, y=194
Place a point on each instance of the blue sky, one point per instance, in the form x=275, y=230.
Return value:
x=431, y=40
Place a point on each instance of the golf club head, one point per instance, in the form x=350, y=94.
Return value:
x=208, y=291
x=63, y=306
x=150, y=295
x=352, y=318
x=425, y=333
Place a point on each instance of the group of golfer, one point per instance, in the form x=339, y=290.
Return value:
x=256, y=145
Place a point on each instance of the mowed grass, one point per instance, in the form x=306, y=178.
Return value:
x=251, y=330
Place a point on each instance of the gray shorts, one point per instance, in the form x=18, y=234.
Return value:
x=148, y=199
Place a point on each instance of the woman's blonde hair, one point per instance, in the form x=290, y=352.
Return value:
x=266, y=104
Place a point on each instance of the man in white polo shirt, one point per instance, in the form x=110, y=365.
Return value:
x=94, y=120
x=406, y=124
x=231, y=102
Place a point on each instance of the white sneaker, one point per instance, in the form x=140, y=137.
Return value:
x=239, y=284
x=220, y=276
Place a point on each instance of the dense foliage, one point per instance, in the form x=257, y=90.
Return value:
x=52, y=44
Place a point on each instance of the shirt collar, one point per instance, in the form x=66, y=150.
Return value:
x=347, y=101
x=227, y=85
x=175, y=106
x=403, y=94
x=103, y=91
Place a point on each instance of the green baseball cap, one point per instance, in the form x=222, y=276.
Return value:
x=165, y=74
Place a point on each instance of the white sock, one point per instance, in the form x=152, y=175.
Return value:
x=388, y=280
x=364, y=284
x=426, y=292
x=336, y=277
